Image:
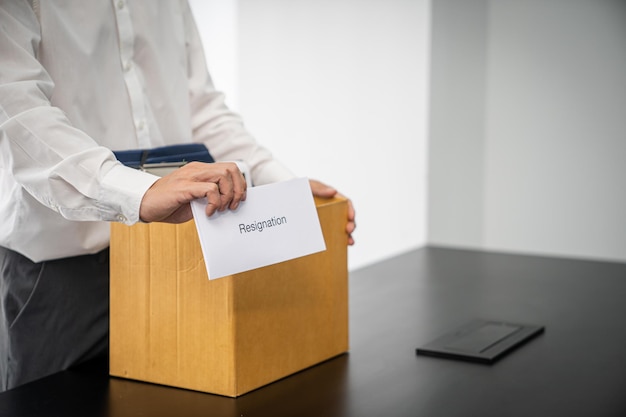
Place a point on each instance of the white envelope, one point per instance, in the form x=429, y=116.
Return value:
x=277, y=222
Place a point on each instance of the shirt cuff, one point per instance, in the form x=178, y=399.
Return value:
x=125, y=187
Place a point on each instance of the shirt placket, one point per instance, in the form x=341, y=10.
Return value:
x=126, y=37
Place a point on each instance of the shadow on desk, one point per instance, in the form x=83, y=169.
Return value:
x=82, y=391
x=88, y=391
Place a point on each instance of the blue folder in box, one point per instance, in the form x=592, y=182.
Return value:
x=173, y=154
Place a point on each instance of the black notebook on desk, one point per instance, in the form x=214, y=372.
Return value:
x=482, y=341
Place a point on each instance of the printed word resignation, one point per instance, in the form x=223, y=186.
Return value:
x=258, y=226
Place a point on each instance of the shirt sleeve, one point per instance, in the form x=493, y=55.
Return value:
x=220, y=129
x=59, y=165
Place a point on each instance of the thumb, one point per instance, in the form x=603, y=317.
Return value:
x=320, y=189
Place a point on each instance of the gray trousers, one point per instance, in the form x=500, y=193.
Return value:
x=53, y=314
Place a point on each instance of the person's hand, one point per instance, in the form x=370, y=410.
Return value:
x=168, y=199
x=325, y=191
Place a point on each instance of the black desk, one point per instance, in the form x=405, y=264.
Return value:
x=576, y=368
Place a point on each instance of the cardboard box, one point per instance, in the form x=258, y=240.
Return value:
x=171, y=325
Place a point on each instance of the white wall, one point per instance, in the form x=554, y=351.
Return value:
x=528, y=139
x=338, y=90
x=457, y=123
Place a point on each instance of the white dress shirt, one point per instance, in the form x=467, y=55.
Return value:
x=81, y=78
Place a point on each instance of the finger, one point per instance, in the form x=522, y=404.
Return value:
x=227, y=176
x=208, y=190
x=239, y=191
x=351, y=225
x=213, y=199
x=235, y=181
x=226, y=190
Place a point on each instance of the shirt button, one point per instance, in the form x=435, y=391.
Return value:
x=127, y=66
x=140, y=125
x=121, y=218
x=120, y=5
